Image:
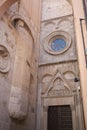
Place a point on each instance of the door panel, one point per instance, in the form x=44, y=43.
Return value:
x=59, y=118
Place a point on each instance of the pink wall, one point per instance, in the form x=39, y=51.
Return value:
x=33, y=7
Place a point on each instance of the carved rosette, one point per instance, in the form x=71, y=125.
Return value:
x=55, y=36
x=4, y=59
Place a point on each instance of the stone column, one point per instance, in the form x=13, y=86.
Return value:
x=18, y=104
x=79, y=14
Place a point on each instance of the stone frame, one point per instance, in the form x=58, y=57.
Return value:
x=58, y=34
x=57, y=101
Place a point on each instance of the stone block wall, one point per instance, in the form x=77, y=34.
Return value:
x=19, y=36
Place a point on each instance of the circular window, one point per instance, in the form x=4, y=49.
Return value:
x=57, y=42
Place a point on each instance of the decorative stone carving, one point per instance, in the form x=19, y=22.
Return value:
x=57, y=35
x=70, y=75
x=4, y=59
x=58, y=85
x=50, y=23
x=46, y=78
x=45, y=81
x=64, y=23
x=60, y=93
x=18, y=104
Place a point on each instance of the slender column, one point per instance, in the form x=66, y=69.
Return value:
x=18, y=103
x=45, y=121
x=74, y=122
x=79, y=14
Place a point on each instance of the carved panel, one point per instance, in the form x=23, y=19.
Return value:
x=62, y=28
x=69, y=75
x=46, y=78
x=60, y=93
x=57, y=83
x=58, y=80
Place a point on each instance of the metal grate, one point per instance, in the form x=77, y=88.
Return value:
x=59, y=118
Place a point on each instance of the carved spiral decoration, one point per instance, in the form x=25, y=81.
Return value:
x=4, y=59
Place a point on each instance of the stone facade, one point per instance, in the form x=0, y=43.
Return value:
x=58, y=70
x=19, y=35
x=36, y=70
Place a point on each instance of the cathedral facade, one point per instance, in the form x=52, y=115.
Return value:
x=43, y=65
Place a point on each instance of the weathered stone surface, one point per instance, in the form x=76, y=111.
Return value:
x=55, y=9
x=28, y=86
x=21, y=73
x=63, y=26
x=5, y=5
x=18, y=95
